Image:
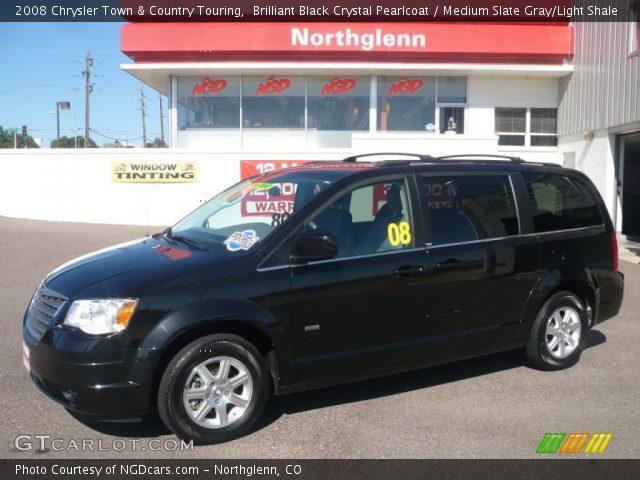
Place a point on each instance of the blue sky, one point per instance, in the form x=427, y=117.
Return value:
x=41, y=63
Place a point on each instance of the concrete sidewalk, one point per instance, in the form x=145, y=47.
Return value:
x=629, y=251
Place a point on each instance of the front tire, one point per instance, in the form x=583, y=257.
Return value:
x=557, y=336
x=214, y=389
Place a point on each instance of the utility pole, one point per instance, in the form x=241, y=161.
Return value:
x=88, y=88
x=161, y=120
x=144, y=120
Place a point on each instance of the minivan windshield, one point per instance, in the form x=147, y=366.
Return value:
x=245, y=214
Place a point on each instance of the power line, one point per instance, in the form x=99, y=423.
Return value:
x=114, y=138
x=94, y=130
x=104, y=128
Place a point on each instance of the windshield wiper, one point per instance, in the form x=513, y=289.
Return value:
x=168, y=234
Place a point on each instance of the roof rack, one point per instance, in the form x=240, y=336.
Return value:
x=423, y=158
x=500, y=158
x=419, y=156
x=315, y=163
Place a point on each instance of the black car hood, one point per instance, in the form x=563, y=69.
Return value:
x=128, y=269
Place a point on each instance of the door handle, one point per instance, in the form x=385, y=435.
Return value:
x=448, y=264
x=408, y=271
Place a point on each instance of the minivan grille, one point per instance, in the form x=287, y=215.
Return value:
x=42, y=312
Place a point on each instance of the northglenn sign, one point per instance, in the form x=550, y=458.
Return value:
x=349, y=42
x=306, y=37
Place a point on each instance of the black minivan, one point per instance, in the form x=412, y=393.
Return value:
x=326, y=273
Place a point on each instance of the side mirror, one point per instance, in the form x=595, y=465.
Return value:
x=314, y=245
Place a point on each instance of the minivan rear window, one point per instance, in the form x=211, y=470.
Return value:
x=463, y=208
x=559, y=202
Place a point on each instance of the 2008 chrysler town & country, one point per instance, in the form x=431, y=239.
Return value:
x=326, y=273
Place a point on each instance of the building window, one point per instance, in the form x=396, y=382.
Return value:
x=634, y=25
x=273, y=102
x=414, y=104
x=452, y=100
x=526, y=127
x=451, y=119
x=452, y=90
x=338, y=103
x=511, y=126
x=544, y=126
x=317, y=112
x=208, y=102
x=407, y=104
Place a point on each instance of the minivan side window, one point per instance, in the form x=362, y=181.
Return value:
x=370, y=219
x=463, y=208
x=558, y=202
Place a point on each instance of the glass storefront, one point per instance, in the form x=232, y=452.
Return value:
x=273, y=109
x=316, y=111
x=407, y=104
x=273, y=102
x=209, y=111
x=336, y=107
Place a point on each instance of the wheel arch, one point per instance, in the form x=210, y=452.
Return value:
x=584, y=284
x=242, y=318
x=247, y=331
x=584, y=290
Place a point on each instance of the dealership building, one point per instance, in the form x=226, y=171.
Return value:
x=261, y=95
x=249, y=97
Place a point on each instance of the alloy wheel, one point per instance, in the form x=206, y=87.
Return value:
x=217, y=392
x=562, y=335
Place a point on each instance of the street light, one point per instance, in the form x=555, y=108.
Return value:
x=60, y=106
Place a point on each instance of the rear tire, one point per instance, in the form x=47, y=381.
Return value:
x=214, y=389
x=557, y=335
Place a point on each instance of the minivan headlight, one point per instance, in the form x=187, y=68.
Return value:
x=100, y=316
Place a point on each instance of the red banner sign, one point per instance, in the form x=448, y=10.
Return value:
x=264, y=202
x=249, y=168
x=278, y=198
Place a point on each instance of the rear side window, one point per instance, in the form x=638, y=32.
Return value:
x=463, y=208
x=558, y=202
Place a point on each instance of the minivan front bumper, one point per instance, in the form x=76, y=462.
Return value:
x=102, y=388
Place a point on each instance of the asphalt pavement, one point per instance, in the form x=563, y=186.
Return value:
x=490, y=407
